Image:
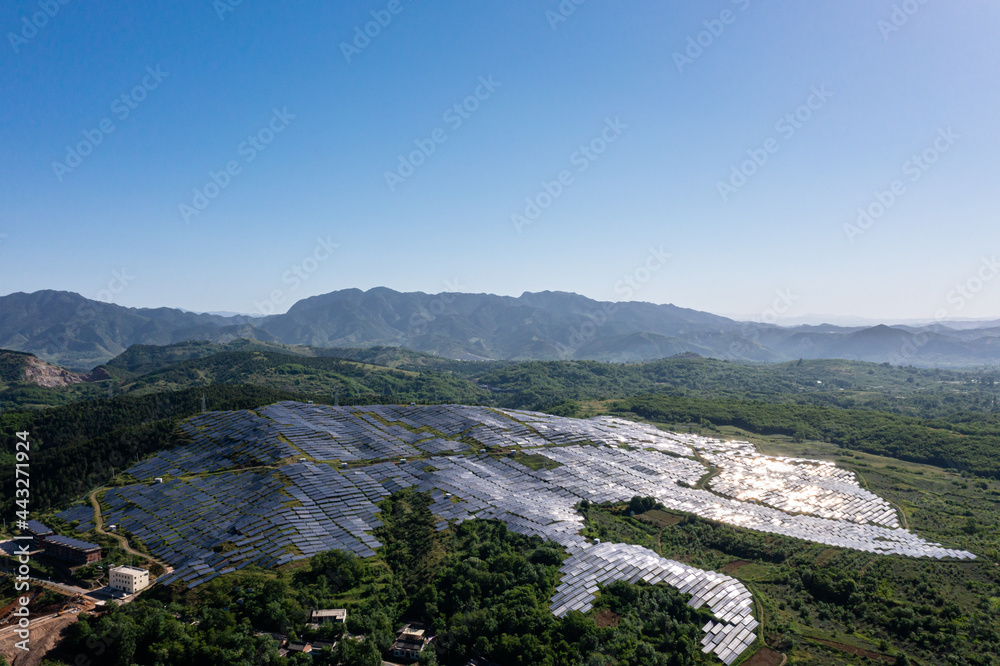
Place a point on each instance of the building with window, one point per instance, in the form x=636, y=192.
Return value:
x=128, y=579
x=410, y=642
x=72, y=550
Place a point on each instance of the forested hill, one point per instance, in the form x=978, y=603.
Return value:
x=142, y=359
x=969, y=445
x=848, y=384
x=70, y=330
x=395, y=373
x=155, y=369
x=536, y=384
x=346, y=380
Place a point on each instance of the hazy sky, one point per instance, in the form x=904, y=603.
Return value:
x=713, y=155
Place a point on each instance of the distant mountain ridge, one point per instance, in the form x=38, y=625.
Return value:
x=68, y=329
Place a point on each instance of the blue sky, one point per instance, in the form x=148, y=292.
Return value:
x=662, y=121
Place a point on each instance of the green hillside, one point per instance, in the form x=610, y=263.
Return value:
x=836, y=383
x=349, y=381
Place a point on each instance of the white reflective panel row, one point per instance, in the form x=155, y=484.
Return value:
x=726, y=597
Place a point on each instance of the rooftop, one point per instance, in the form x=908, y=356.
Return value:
x=70, y=542
x=36, y=527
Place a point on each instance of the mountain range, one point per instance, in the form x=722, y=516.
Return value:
x=78, y=333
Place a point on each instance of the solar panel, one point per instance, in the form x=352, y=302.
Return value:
x=205, y=526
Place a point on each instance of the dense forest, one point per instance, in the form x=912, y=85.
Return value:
x=969, y=444
x=400, y=375
x=834, y=383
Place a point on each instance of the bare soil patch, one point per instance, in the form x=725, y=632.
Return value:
x=733, y=566
x=861, y=652
x=607, y=618
x=660, y=518
x=765, y=657
x=46, y=633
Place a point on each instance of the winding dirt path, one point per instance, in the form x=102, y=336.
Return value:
x=99, y=528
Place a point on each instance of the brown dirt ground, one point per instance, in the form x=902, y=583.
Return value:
x=733, y=566
x=875, y=656
x=765, y=657
x=606, y=618
x=46, y=633
x=659, y=518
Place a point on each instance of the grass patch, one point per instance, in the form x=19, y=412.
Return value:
x=535, y=461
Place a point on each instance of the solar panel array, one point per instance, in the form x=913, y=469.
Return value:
x=727, y=598
x=542, y=502
x=206, y=526
x=488, y=488
x=585, y=470
x=208, y=518
x=600, y=430
x=70, y=542
x=796, y=485
x=188, y=523
x=83, y=513
x=219, y=441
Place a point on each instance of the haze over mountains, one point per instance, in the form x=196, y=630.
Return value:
x=79, y=333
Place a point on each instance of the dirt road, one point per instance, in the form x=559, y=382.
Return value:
x=99, y=528
x=46, y=632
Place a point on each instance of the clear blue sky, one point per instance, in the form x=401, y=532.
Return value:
x=554, y=86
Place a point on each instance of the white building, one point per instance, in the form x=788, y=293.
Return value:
x=129, y=579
